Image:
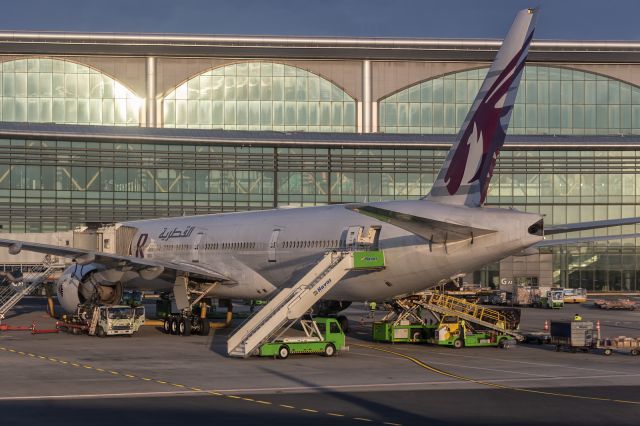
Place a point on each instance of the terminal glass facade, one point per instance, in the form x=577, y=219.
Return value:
x=43, y=90
x=550, y=101
x=260, y=96
x=55, y=185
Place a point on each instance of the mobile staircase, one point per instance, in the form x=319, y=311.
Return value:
x=16, y=290
x=492, y=319
x=291, y=303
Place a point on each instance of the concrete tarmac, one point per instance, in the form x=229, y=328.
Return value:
x=153, y=378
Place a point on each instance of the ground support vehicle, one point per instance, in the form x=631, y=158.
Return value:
x=322, y=336
x=575, y=295
x=618, y=304
x=574, y=335
x=553, y=299
x=403, y=332
x=539, y=338
x=622, y=344
x=456, y=333
x=105, y=320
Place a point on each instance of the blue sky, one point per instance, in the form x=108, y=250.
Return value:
x=559, y=19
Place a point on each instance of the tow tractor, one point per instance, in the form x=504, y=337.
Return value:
x=322, y=336
x=553, y=299
x=105, y=320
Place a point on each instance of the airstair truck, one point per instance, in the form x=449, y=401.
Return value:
x=322, y=336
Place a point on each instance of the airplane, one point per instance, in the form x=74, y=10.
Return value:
x=251, y=255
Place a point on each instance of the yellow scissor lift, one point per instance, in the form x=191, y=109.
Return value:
x=458, y=322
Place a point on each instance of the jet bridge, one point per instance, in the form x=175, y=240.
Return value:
x=291, y=303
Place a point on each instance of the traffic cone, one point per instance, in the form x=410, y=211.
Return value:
x=546, y=325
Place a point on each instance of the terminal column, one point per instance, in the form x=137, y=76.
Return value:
x=366, y=96
x=150, y=103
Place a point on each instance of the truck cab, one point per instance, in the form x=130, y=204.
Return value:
x=117, y=320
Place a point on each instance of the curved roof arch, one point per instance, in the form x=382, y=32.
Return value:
x=260, y=95
x=46, y=89
x=551, y=100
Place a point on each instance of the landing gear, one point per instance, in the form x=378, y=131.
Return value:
x=186, y=325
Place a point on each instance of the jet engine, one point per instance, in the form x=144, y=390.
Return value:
x=89, y=283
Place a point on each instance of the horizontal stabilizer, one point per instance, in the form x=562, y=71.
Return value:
x=434, y=231
x=584, y=226
x=550, y=243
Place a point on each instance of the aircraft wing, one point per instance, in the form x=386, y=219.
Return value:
x=148, y=268
x=550, y=243
x=583, y=226
x=432, y=230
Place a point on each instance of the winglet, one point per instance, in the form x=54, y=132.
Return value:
x=467, y=170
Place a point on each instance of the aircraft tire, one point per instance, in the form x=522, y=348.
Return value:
x=166, y=326
x=174, y=325
x=184, y=326
x=204, y=327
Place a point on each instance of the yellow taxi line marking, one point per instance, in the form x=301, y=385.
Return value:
x=178, y=385
x=493, y=385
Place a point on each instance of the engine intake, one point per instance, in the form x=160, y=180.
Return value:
x=80, y=284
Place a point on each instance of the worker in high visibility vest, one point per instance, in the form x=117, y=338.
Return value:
x=372, y=309
x=577, y=317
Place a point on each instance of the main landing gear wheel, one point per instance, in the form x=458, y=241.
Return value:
x=184, y=327
x=283, y=352
x=329, y=350
x=174, y=325
x=166, y=326
x=204, y=326
x=458, y=343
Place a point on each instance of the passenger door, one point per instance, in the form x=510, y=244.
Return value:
x=195, y=250
x=273, y=244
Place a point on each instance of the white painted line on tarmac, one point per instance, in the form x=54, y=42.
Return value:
x=423, y=383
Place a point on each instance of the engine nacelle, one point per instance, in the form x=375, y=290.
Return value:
x=81, y=284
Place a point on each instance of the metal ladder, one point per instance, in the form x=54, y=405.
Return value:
x=290, y=304
x=94, y=321
x=471, y=312
x=12, y=294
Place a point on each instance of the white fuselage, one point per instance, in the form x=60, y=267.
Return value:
x=266, y=250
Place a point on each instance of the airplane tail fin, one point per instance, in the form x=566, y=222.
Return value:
x=466, y=172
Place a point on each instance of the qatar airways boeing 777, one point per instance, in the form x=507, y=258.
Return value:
x=250, y=255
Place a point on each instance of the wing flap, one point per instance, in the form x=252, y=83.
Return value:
x=434, y=231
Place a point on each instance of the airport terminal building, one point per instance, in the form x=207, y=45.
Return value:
x=98, y=128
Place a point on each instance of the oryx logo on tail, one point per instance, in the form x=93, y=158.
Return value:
x=466, y=173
